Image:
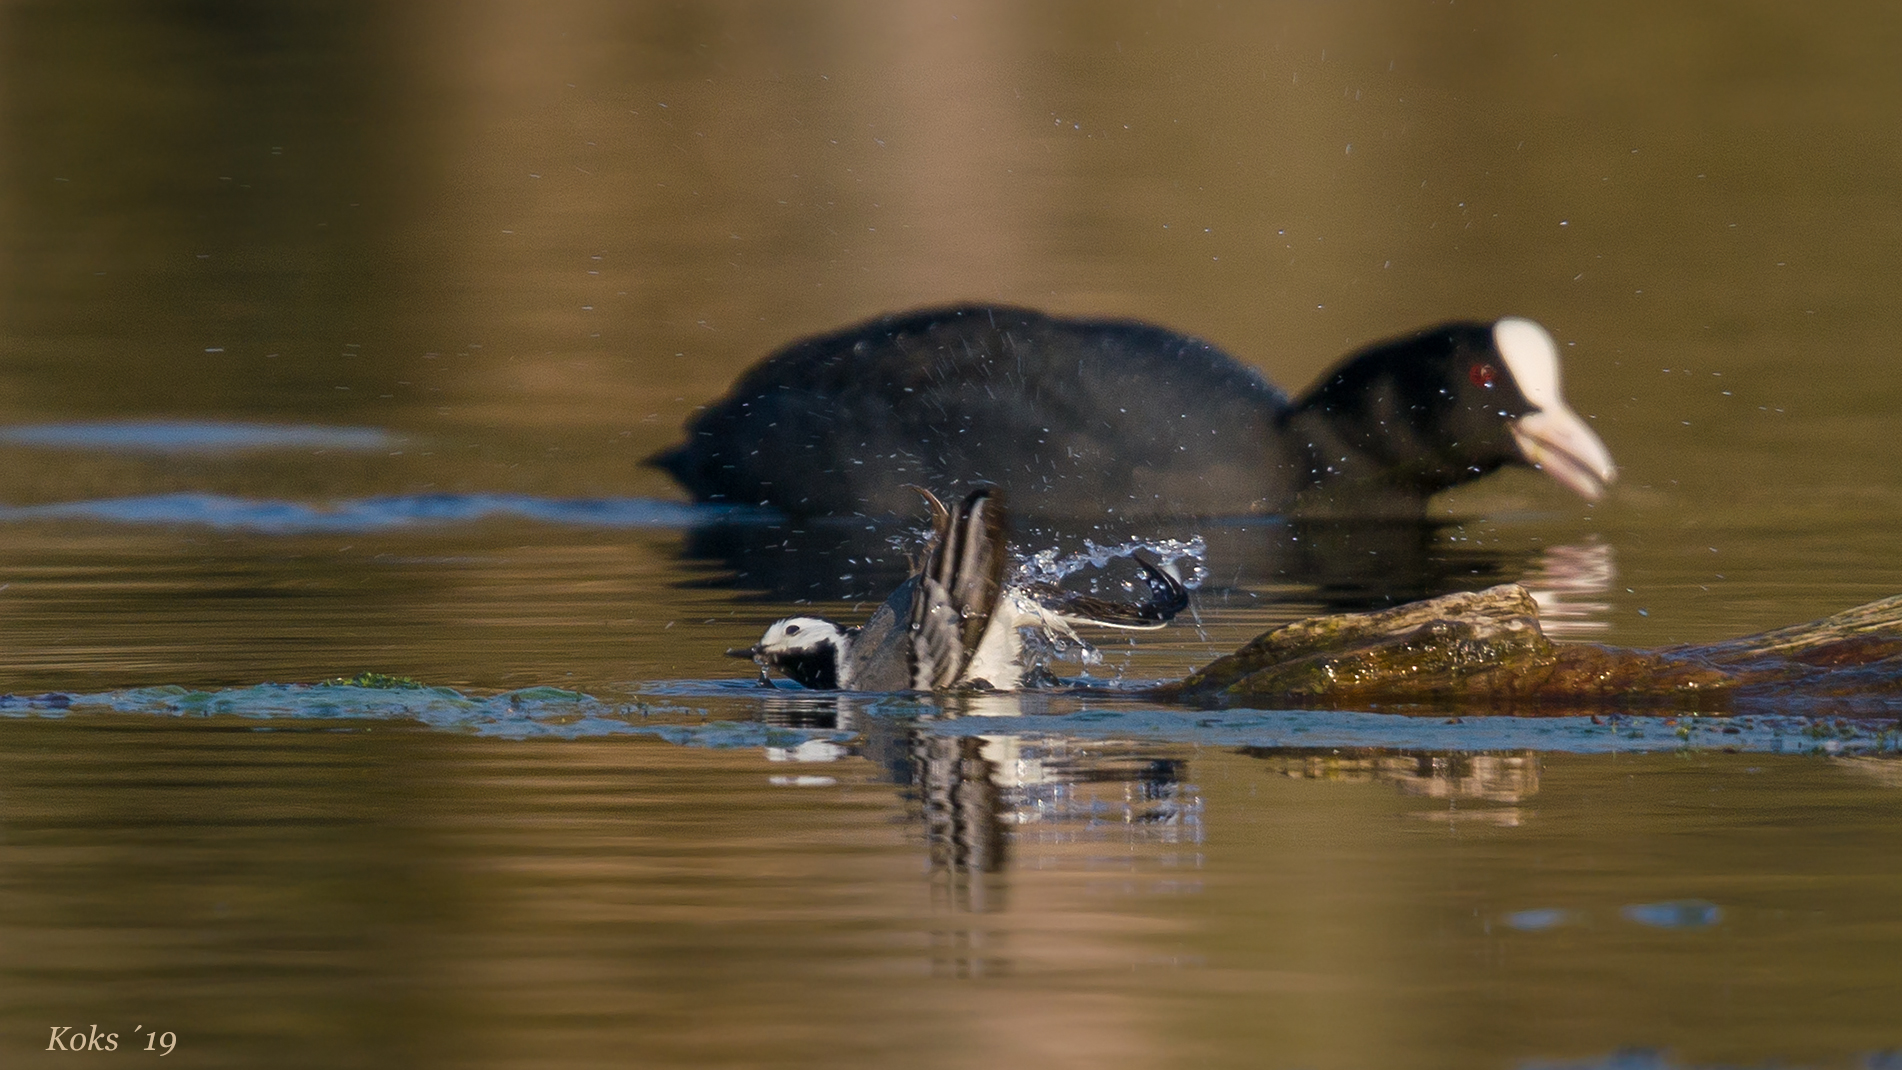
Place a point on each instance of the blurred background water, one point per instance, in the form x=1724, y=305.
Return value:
x=332, y=335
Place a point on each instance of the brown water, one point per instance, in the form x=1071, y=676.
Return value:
x=505, y=249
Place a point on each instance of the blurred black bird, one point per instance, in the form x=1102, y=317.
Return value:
x=1087, y=418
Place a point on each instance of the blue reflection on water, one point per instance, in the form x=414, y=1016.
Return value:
x=1533, y=921
x=527, y=713
x=1675, y=914
x=1310, y=729
x=1647, y=1059
x=671, y=712
x=195, y=436
x=1629, y=1059
x=275, y=517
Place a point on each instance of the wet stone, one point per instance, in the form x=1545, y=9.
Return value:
x=1486, y=649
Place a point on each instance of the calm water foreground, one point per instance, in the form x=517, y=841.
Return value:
x=331, y=336
x=336, y=893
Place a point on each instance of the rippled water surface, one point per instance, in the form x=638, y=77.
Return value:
x=331, y=338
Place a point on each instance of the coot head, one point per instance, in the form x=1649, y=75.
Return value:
x=1550, y=436
x=1427, y=412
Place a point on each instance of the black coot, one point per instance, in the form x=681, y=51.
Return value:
x=1083, y=418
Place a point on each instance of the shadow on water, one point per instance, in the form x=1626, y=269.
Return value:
x=1342, y=565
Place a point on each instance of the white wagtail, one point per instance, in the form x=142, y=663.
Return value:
x=956, y=622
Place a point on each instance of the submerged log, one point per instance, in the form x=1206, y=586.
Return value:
x=1486, y=649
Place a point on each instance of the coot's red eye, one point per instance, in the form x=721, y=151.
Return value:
x=1484, y=375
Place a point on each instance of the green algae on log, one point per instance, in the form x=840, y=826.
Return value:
x=1486, y=649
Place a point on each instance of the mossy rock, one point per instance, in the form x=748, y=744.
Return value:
x=1486, y=648
x=377, y=681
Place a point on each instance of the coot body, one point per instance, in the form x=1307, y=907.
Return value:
x=1104, y=418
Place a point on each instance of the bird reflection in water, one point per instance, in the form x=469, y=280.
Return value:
x=1117, y=818
x=1319, y=565
x=1570, y=583
x=1497, y=783
x=1107, y=816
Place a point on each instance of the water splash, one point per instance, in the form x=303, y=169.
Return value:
x=1053, y=566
